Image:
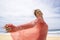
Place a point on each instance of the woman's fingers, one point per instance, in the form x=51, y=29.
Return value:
x=7, y=28
x=10, y=28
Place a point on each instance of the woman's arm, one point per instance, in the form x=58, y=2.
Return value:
x=27, y=25
x=13, y=28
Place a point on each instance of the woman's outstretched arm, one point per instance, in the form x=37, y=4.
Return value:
x=27, y=25
x=13, y=28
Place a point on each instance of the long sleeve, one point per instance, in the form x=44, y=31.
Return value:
x=27, y=25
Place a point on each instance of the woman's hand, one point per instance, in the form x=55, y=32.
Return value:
x=10, y=28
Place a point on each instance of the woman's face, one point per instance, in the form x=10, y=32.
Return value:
x=38, y=13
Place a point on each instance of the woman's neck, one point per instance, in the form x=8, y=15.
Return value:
x=40, y=17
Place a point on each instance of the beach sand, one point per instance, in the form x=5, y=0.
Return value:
x=5, y=37
x=8, y=37
x=53, y=38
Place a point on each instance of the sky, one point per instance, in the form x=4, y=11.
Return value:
x=21, y=11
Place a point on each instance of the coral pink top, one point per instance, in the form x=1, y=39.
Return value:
x=35, y=30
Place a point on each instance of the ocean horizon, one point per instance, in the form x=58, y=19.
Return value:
x=50, y=31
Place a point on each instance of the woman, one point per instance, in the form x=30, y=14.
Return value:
x=34, y=30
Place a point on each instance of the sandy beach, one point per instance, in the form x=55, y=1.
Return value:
x=6, y=36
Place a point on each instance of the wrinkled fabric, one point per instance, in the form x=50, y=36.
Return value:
x=35, y=30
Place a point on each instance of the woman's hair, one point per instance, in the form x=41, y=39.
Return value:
x=35, y=11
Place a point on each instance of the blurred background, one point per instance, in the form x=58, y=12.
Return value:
x=22, y=11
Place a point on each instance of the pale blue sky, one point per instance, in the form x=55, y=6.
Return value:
x=21, y=11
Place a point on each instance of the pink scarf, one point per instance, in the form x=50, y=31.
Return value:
x=35, y=30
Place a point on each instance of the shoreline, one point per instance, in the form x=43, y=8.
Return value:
x=6, y=36
x=49, y=34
